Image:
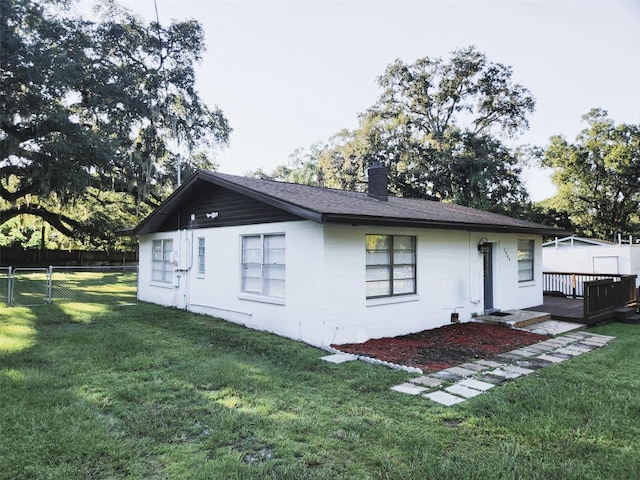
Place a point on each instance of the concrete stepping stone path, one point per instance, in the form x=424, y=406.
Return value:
x=471, y=379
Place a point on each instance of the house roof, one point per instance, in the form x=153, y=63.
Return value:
x=325, y=205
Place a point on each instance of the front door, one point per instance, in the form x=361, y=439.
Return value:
x=487, y=267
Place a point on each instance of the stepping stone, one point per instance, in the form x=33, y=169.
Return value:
x=534, y=348
x=520, y=370
x=507, y=357
x=573, y=335
x=427, y=381
x=463, y=391
x=570, y=351
x=603, y=337
x=534, y=363
x=473, y=366
x=476, y=384
x=591, y=343
x=463, y=372
x=490, y=363
x=339, y=358
x=585, y=346
x=522, y=352
x=581, y=334
x=491, y=379
x=551, y=358
x=443, y=398
x=550, y=343
x=543, y=347
x=596, y=340
x=444, y=375
x=577, y=347
x=409, y=388
x=498, y=372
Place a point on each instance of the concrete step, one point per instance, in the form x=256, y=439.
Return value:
x=514, y=318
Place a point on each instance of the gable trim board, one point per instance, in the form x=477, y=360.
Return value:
x=325, y=261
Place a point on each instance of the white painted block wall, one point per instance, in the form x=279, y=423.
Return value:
x=325, y=281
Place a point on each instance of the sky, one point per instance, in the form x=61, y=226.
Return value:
x=290, y=74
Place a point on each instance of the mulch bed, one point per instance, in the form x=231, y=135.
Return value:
x=444, y=347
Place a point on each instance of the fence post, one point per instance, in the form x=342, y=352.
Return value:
x=50, y=284
x=10, y=288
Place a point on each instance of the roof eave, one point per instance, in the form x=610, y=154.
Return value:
x=417, y=223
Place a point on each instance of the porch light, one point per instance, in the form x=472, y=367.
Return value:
x=483, y=241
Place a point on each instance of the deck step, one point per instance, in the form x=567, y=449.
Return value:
x=633, y=319
x=622, y=313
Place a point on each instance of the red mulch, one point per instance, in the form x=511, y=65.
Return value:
x=444, y=347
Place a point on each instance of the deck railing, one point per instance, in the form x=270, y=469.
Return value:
x=602, y=293
x=571, y=284
x=602, y=297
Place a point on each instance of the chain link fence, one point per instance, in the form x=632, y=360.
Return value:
x=56, y=284
x=5, y=273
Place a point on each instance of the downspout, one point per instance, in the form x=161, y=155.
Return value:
x=474, y=301
x=183, y=269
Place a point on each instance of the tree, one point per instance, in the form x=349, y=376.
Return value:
x=598, y=176
x=302, y=168
x=108, y=105
x=437, y=127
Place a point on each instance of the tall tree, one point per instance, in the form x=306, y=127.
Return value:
x=302, y=168
x=438, y=126
x=110, y=105
x=598, y=176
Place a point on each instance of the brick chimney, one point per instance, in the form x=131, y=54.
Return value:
x=378, y=181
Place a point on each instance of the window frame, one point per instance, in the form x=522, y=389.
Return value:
x=163, y=274
x=526, y=257
x=392, y=266
x=269, y=274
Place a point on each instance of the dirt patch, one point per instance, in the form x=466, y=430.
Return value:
x=444, y=347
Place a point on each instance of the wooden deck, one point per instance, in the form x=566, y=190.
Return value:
x=562, y=308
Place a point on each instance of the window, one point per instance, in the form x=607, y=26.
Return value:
x=161, y=264
x=391, y=265
x=201, y=255
x=263, y=265
x=525, y=260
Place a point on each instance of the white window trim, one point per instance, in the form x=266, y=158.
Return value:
x=529, y=281
x=167, y=283
x=392, y=264
x=378, y=301
x=201, y=274
x=259, y=296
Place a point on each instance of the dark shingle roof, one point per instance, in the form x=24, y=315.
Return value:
x=327, y=205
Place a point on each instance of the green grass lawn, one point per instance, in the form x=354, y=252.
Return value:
x=144, y=392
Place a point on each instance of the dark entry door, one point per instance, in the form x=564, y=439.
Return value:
x=487, y=267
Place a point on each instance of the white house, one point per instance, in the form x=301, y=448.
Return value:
x=587, y=255
x=331, y=266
